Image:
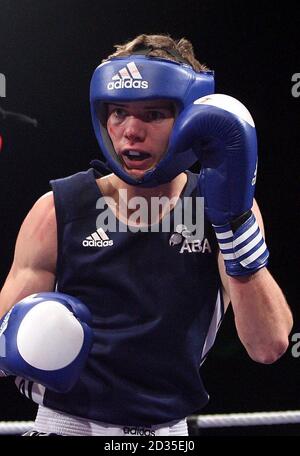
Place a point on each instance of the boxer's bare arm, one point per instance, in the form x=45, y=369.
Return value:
x=34, y=264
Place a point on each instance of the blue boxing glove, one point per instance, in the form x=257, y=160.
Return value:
x=46, y=338
x=221, y=132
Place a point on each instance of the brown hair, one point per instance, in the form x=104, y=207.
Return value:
x=161, y=46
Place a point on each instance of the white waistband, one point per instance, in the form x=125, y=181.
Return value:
x=48, y=420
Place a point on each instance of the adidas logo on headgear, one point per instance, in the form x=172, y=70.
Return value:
x=128, y=77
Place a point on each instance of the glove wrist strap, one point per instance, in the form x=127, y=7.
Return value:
x=243, y=247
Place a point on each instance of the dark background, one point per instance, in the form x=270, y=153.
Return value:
x=48, y=51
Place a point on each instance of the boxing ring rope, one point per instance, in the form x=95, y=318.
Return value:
x=201, y=421
x=245, y=419
x=15, y=427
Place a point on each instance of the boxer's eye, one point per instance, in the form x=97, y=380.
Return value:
x=119, y=113
x=155, y=115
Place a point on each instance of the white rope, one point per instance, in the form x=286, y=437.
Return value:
x=201, y=421
x=245, y=419
x=15, y=427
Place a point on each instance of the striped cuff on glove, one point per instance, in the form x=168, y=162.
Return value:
x=244, y=249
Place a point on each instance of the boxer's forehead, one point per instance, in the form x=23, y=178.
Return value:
x=145, y=104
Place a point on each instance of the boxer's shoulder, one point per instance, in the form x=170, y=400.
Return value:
x=38, y=233
x=35, y=255
x=42, y=213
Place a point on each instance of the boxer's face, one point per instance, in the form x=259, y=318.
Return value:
x=140, y=133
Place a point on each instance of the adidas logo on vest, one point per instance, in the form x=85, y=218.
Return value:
x=97, y=239
x=128, y=77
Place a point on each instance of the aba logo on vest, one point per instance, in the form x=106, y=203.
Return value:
x=188, y=244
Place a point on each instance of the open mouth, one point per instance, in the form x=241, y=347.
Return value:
x=136, y=155
x=136, y=159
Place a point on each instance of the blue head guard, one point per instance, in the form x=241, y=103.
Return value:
x=137, y=78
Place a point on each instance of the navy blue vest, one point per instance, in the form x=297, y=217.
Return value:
x=156, y=307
